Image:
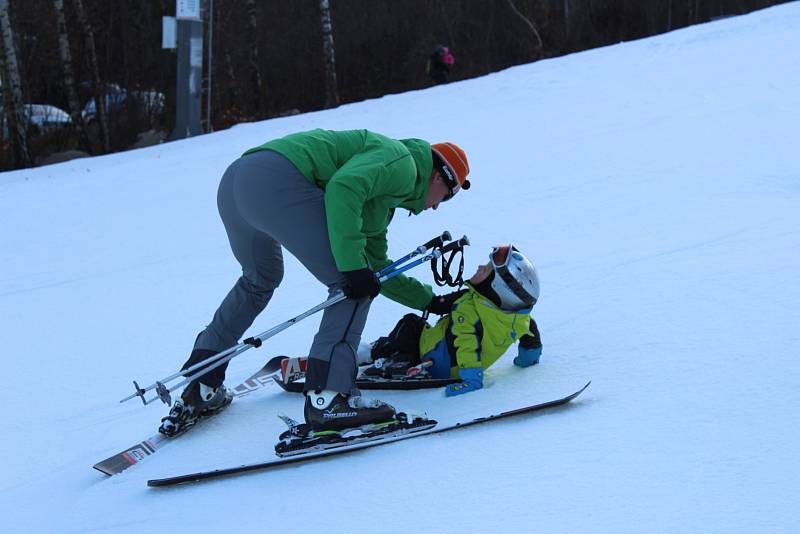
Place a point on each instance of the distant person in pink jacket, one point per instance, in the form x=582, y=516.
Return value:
x=439, y=63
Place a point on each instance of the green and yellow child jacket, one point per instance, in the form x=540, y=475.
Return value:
x=475, y=334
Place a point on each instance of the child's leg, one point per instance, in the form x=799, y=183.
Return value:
x=402, y=340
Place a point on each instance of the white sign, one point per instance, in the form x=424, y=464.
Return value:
x=196, y=52
x=187, y=9
x=169, y=37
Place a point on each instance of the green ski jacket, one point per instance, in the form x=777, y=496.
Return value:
x=365, y=177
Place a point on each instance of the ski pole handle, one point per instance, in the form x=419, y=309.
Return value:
x=456, y=245
x=436, y=253
x=437, y=241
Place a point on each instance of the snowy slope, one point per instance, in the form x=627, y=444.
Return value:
x=655, y=183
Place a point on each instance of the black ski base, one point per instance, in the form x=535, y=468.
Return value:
x=405, y=384
x=280, y=462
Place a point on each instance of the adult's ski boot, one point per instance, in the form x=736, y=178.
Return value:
x=331, y=411
x=197, y=401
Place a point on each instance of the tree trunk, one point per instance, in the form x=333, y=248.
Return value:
x=255, y=71
x=486, y=61
x=232, y=92
x=528, y=23
x=329, y=53
x=65, y=54
x=669, y=15
x=12, y=92
x=97, y=86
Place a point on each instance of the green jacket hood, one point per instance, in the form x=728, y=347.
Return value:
x=421, y=154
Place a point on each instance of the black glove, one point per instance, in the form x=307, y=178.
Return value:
x=361, y=283
x=443, y=304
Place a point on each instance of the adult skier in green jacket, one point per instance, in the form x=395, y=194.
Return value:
x=328, y=198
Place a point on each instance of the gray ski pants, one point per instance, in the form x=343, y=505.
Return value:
x=266, y=203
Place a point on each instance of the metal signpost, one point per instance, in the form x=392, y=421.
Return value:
x=190, y=69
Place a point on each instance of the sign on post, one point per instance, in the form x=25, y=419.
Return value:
x=169, y=38
x=187, y=10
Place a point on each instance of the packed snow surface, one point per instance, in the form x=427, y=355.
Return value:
x=655, y=183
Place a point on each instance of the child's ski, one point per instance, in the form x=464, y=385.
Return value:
x=293, y=371
x=379, y=383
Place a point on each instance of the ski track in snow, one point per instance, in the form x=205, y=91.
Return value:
x=655, y=183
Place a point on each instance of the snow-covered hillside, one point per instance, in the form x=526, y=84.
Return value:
x=655, y=183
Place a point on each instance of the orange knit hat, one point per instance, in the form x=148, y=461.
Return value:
x=452, y=164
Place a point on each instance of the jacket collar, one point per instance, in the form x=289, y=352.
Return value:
x=423, y=159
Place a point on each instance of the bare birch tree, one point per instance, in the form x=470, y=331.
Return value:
x=12, y=92
x=97, y=86
x=65, y=54
x=528, y=23
x=329, y=55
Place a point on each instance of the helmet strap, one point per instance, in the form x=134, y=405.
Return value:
x=485, y=289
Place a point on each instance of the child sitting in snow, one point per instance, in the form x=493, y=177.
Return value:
x=477, y=326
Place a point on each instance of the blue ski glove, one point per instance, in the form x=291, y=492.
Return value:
x=471, y=380
x=527, y=357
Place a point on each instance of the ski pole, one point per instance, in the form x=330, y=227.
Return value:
x=159, y=385
x=163, y=392
x=256, y=341
x=422, y=249
x=228, y=354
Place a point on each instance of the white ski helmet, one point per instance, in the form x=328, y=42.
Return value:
x=516, y=281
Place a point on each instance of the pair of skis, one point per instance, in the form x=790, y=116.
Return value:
x=270, y=373
x=274, y=371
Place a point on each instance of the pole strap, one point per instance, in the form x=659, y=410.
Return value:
x=441, y=267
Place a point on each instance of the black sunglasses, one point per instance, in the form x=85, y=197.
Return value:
x=446, y=175
x=450, y=194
